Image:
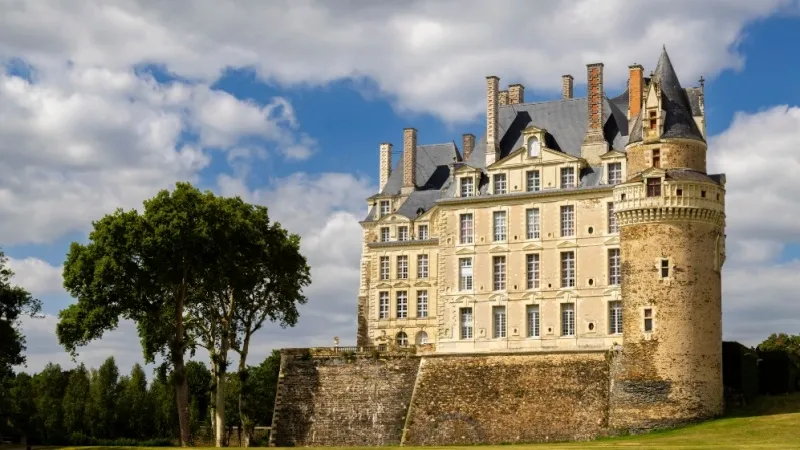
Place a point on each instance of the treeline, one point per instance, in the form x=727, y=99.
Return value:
x=771, y=368
x=106, y=407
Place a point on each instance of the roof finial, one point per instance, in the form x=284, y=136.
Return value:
x=702, y=82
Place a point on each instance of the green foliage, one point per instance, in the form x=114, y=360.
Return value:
x=261, y=385
x=132, y=401
x=779, y=368
x=50, y=386
x=15, y=302
x=74, y=403
x=782, y=342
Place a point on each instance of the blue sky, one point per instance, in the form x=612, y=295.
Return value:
x=286, y=103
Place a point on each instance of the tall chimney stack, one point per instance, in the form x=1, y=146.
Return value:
x=502, y=98
x=594, y=145
x=409, y=160
x=467, y=144
x=386, y=164
x=566, y=86
x=635, y=91
x=492, y=84
x=516, y=94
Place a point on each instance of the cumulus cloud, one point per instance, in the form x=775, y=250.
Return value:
x=37, y=276
x=426, y=56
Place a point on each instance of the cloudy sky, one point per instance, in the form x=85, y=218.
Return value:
x=102, y=104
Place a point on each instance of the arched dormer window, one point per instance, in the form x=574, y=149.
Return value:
x=534, y=147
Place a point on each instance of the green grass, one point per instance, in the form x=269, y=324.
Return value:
x=769, y=423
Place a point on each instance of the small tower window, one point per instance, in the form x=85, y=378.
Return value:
x=679, y=192
x=534, y=147
x=385, y=208
x=664, y=268
x=654, y=187
x=648, y=320
x=653, y=119
x=703, y=194
x=656, y=157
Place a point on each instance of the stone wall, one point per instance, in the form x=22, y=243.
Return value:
x=495, y=399
x=683, y=153
x=343, y=400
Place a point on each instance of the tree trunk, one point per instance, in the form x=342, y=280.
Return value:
x=244, y=420
x=182, y=384
x=219, y=434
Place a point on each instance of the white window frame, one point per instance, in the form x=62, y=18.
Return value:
x=533, y=181
x=615, y=317
x=385, y=268
x=499, y=184
x=465, y=323
x=422, y=304
x=402, y=267
x=568, y=319
x=383, y=305
x=532, y=270
x=499, y=273
x=467, y=186
x=402, y=233
x=466, y=228
x=533, y=226
x=612, y=219
x=499, y=322
x=385, y=207
x=567, y=220
x=568, y=269
x=401, y=301
x=499, y=226
x=422, y=232
x=385, y=234
x=648, y=316
x=401, y=339
x=537, y=147
x=465, y=274
x=614, y=172
x=567, y=177
x=614, y=267
x=664, y=266
x=533, y=319
x=422, y=265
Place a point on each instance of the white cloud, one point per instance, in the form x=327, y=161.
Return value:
x=37, y=276
x=428, y=56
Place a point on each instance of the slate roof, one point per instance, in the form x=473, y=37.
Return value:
x=433, y=168
x=679, y=105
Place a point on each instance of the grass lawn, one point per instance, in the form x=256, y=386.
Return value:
x=769, y=423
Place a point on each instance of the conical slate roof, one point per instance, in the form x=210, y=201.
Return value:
x=678, y=120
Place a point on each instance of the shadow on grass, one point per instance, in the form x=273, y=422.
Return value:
x=767, y=405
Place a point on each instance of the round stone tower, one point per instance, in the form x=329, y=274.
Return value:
x=672, y=220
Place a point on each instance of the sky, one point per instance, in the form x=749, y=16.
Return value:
x=285, y=103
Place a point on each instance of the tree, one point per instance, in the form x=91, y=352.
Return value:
x=25, y=419
x=782, y=342
x=133, y=422
x=199, y=379
x=260, y=275
x=145, y=268
x=50, y=385
x=75, y=399
x=103, y=394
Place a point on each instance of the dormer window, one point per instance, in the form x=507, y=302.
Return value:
x=567, y=177
x=402, y=233
x=534, y=147
x=653, y=119
x=500, y=183
x=614, y=173
x=385, y=208
x=654, y=187
x=467, y=187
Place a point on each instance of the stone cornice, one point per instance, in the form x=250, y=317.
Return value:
x=667, y=214
x=525, y=195
x=408, y=243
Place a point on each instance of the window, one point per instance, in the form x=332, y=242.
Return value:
x=466, y=228
x=382, y=347
x=614, y=275
x=567, y=220
x=612, y=219
x=533, y=320
x=679, y=192
x=466, y=323
x=384, y=267
x=422, y=266
x=383, y=305
x=422, y=338
x=385, y=208
x=499, y=272
x=567, y=269
x=465, y=274
x=422, y=232
x=654, y=187
x=534, y=147
x=402, y=304
x=402, y=339
x=648, y=320
x=402, y=233
x=402, y=267
x=532, y=261
x=664, y=268
x=614, y=173
x=656, y=157
x=499, y=328
x=703, y=194
x=384, y=234
x=532, y=225
x=533, y=181
x=499, y=183
x=568, y=319
x=567, y=177
x=467, y=186
x=652, y=117
x=422, y=304
x=614, y=317
x=499, y=225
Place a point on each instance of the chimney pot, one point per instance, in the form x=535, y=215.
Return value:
x=567, y=83
x=635, y=90
x=594, y=97
x=492, y=85
x=467, y=144
x=502, y=98
x=409, y=160
x=516, y=94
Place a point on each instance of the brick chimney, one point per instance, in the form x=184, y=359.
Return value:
x=409, y=160
x=635, y=90
x=502, y=98
x=566, y=86
x=386, y=164
x=467, y=144
x=595, y=143
x=492, y=83
x=516, y=94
